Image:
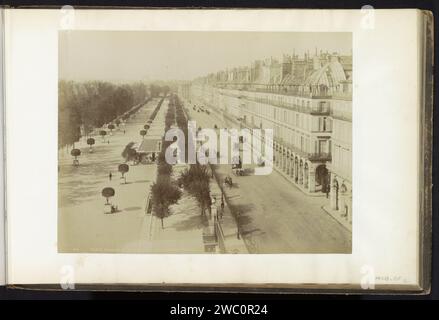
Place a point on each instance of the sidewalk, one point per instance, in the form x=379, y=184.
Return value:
x=182, y=232
x=227, y=223
x=298, y=186
x=339, y=217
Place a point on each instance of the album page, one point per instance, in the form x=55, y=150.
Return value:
x=233, y=148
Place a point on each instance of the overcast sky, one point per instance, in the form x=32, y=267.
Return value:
x=124, y=56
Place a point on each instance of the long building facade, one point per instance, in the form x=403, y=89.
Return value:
x=307, y=101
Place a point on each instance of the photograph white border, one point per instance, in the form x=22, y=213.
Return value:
x=385, y=152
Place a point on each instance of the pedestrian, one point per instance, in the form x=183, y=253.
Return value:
x=222, y=210
x=108, y=141
x=327, y=191
x=110, y=175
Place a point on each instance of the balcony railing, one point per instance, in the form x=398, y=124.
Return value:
x=342, y=95
x=276, y=89
x=294, y=92
x=316, y=110
x=319, y=156
x=322, y=156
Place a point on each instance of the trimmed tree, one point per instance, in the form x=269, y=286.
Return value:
x=103, y=133
x=91, y=142
x=195, y=181
x=143, y=133
x=125, y=152
x=129, y=153
x=108, y=193
x=164, y=194
x=164, y=168
x=117, y=122
x=132, y=155
x=75, y=153
x=146, y=126
x=111, y=127
x=123, y=168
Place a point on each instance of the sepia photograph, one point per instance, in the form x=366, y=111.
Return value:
x=186, y=142
x=225, y=150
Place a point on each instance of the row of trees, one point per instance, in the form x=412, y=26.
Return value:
x=129, y=153
x=165, y=192
x=85, y=106
x=157, y=90
x=195, y=179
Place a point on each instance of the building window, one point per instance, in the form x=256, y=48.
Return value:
x=322, y=146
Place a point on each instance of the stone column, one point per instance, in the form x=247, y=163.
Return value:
x=284, y=160
x=332, y=194
x=292, y=166
x=281, y=164
x=279, y=157
x=279, y=154
x=296, y=171
x=305, y=176
x=311, y=179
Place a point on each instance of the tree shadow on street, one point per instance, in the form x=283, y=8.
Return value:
x=132, y=208
x=141, y=181
x=194, y=222
x=76, y=195
x=241, y=212
x=255, y=231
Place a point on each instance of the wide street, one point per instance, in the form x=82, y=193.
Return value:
x=274, y=215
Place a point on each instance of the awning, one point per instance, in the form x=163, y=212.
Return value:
x=150, y=145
